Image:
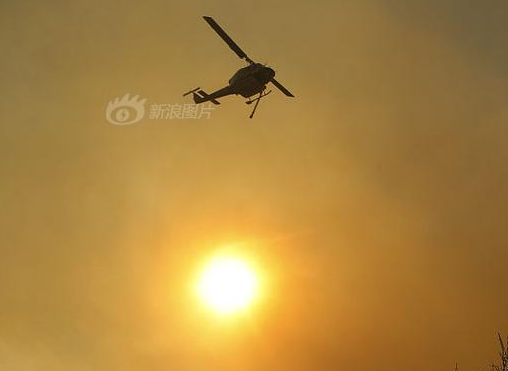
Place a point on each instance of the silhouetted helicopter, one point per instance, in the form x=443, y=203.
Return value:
x=247, y=81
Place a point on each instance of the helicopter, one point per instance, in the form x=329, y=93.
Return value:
x=247, y=81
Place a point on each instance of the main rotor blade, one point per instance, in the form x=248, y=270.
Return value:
x=227, y=39
x=281, y=88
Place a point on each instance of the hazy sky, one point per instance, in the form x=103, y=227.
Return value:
x=376, y=200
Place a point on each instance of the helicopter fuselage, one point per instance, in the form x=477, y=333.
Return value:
x=247, y=81
x=251, y=80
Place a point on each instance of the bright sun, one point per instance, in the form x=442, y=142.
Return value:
x=227, y=285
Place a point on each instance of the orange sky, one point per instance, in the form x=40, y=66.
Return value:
x=375, y=200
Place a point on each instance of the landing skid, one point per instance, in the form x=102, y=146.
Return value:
x=261, y=95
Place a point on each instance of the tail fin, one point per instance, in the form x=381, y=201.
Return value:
x=198, y=98
x=201, y=97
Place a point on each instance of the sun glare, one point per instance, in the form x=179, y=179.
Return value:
x=227, y=285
